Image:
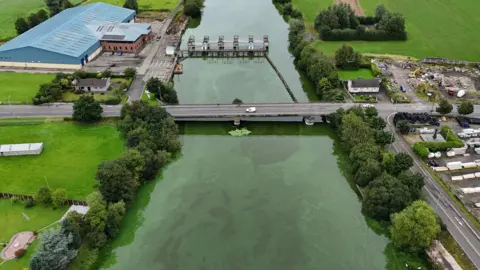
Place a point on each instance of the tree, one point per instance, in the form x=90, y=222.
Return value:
x=59, y=196
x=73, y=224
x=115, y=213
x=466, y=107
x=21, y=26
x=130, y=73
x=371, y=112
x=168, y=93
x=444, y=107
x=384, y=196
x=403, y=126
x=296, y=14
x=354, y=131
x=377, y=123
x=42, y=15
x=107, y=73
x=192, y=9
x=380, y=10
x=387, y=159
x=33, y=20
x=392, y=22
x=116, y=182
x=414, y=181
x=87, y=109
x=287, y=9
x=363, y=151
x=54, y=251
x=43, y=196
x=131, y=4
x=383, y=138
x=323, y=86
x=54, y=6
x=347, y=58
x=95, y=221
x=369, y=170
x=153, y=161
x=415, y=227
x=237, y=101
x=48, y=92
x=134, y=162
x=401, y=162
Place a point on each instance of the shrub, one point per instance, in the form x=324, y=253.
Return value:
x=375, y=70
x=113, y=101
x=14, y=200
x=420, y=149
x=35, y=232
x=20, y=253
x=29, y=203
x=43, y=195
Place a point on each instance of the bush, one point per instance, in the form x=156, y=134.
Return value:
x=113, y=101
x=20, y=253
x=14, y=200
x=287, y=9
x=452, y=141
x=368, y=20
x=296, y=14
x=43, y=195
x=420, y=149
x=375, y=70
x=29, y=203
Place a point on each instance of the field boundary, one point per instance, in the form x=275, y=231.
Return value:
x=22, y=197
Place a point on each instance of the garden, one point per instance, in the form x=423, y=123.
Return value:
x=69, y=159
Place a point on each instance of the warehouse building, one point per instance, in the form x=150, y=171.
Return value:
x=75, y=36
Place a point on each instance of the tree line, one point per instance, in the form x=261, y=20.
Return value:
x=339, y=22
x=22, y=25
x=285, y=7
x=151, y=137
x=391, y=193
x=316, y=65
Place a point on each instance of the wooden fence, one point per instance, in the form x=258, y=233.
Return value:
x=29, y=197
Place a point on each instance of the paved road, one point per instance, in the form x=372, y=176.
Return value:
x=457, y=223
x=276, y=109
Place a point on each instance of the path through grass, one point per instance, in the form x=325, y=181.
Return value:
x=69, y=159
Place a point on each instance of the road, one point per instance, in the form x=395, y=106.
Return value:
x=213, y=110
x=457, y=223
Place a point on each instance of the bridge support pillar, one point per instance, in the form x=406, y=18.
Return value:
x=309, y=120
x=236, y=121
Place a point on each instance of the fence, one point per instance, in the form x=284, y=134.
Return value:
x=29, y=197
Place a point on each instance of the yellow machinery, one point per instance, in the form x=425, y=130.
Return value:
x=416, y=73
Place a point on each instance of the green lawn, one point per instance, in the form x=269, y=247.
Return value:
x=13, y=222
x=355, y=74
x=69, y=159
x=143, y=4
x=13, y=9
x=21, y=86
x=439, y=28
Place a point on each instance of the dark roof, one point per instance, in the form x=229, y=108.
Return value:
x=361, y=83
x=91, y=82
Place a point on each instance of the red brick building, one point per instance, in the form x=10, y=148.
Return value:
x=124, y=37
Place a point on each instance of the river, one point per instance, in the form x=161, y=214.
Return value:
x=256, y=202
x=220, y=81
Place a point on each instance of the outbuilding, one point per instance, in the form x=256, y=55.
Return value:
x=364, y=86
x=21, y=149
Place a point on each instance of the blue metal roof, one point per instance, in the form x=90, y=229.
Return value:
x=70, y=32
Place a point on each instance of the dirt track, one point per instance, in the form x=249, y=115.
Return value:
x=355, y=4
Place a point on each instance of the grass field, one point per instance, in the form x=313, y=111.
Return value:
x=143, y=4
x=13, y=9
x=69, y=159
x=355, y=74
x=21, y=86
x=440, y=28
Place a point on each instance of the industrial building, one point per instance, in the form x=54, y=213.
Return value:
x=75, y=36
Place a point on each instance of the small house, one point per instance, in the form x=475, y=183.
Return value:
x=92, y=85
x=364, y=86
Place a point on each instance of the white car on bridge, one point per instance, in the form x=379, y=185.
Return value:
x=251, y=110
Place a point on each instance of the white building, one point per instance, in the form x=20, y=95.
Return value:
x=92, y=85
x=21, y=149
x=364, y=86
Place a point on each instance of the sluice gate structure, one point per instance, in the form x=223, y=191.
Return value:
x=225, y=48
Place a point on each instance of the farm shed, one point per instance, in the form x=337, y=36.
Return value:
x=68, y=40
x=21, y=149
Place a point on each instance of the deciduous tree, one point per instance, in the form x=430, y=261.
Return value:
x=237, y=101
x=347, y=58
x=466, y=107
x=115, y=213
x=73, y=224
x=95, y=221
x=415, y=227
x=87, y=109
x=130, y=73
x=444, y=107
x=383, y=137
x=353, y=131
x=131, y=4
x=369, y=170
x=43, y=196
x=59, y=196
x=377, y=123
x=21, y=26
x=403, y=126
x=380, y=10
x=116, y=182
x=402, y=162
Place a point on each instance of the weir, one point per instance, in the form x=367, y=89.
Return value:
x=225, y=48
